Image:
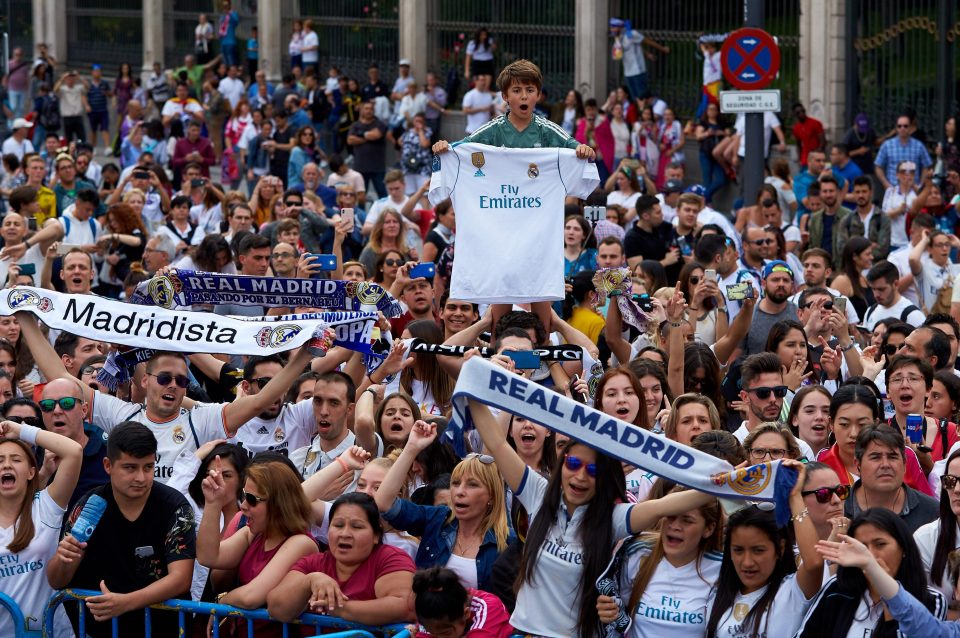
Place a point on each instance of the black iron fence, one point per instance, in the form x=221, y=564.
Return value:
x=106, y=32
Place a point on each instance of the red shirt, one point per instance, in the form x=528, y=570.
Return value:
x=383, y=560
x=809, y=133
x=489, y=618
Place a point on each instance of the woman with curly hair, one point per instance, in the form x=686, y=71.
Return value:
x=122, y=247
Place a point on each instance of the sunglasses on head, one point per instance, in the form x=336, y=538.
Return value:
x=251, y=499
x=260, y=381
x=67, y=403
x=164, y=378
x=949, y=481
x=574, y=463
x=26, y=420
x=824, y=494
x=763, y=392
x=486, y=459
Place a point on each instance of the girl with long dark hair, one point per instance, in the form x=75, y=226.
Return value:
x=851, y=604
x=856, y=258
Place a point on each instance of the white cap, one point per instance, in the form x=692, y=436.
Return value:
x=20, y=123
x=403, y=62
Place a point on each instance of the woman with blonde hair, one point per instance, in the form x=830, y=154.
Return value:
x=136, y=198
x=466, y=537
x=275, y=537
x=691, y=414
x=388, y=234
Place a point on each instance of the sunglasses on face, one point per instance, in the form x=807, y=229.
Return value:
x=486, y=459
x=392, y=262
x=164, y=378
x=763, y=392
x=251, y=499
x=26, y=420
x=695, y=280
x=90, y=370
x=574, y=463
x=66, y=403
x=824, y=494
x=260, y=381
x=293, y=202
x=761, y=242
x=759, y=453
x=948, y=481
x=890, y=349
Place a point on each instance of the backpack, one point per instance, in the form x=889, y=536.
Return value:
x=903, y=315
x=49, y=116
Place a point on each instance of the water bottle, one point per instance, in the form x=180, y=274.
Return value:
x=90, y=515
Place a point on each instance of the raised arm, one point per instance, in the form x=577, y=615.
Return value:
x=495, y=441
x=916, y=253
x=728, y=343
x=421, y=436
x=810, y=570
x=351, y=459
x=68, y=451
x=50, y=364
x=237, y=413
x=676, y=309
x=613, y=333
x=213, y=552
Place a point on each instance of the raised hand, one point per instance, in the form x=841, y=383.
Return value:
x=422, y=435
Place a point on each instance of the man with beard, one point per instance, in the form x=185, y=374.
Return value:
x=417, y=294
x=822, y=224
x=762, y=393
x=775, y=305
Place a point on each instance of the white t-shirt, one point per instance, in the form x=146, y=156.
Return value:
x=79, y=232
x=926, y=538
x=484, y=52
x=901, y=259
x=465, y=569
x=675, y=600
x=893, y=198
x=549, y=605
x=915, y=317
x=782, y=617
x=932, y=278
x=232, y=89
x=12, y=147
x=508, y=209
x=183, y=432
x=291, y=430
x=208, y=219
x=23, y=575
x=617, y=198
x=712, y=71
x=310, y=459
x=633, y=62
x=477, y=99
x=382, y=204
x=310, y=39
x=182, y=110
x=770, y=122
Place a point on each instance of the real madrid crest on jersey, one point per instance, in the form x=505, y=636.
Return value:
x=435, y=166
x=178, y=434
x=478, y=161
x=533, y=172
x=279, y=435
x=740, y=611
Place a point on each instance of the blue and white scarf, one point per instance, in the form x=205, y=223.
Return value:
x=494, y=386
x=181, y=288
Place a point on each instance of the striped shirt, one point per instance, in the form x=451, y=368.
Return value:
x=540, y=133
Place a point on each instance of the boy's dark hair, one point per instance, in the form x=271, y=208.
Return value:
x=335, y=376
x=883, y=270
x=645, y=204
x=877, y=433
x=66, y=344
x=942, y=317
x=757, y=364
x=252, y=242
x=249, y=368
x=133, y=439
x=709, y=247
x=525, y=321
x=523, y=71
x=809, y=292
x=180, y=200
x=863, y=180
x=89, y=196
x=517, y=333
x=901, y=361
x=22, y=196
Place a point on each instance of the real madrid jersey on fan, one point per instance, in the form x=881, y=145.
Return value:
x=509, y=205
x=185, y=431
x=292, y=429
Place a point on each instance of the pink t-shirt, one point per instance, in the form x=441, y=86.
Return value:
x=383, y=560
x=256, y=559
x=489, y=618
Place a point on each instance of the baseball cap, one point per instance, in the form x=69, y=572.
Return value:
x=673, y=186
x=20, y=123
x=616, y=22
x=777, y=265
x=403, y=62
x=697, y=189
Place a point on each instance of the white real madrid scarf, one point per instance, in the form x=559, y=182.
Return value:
x=494, y=386
x=180, y=330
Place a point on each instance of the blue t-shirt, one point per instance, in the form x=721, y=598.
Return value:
x=97, y=96
x=253, y=49
x=232, y=20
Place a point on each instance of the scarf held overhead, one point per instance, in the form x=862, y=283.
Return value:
x=186, y=287
x=180, y=330
x=492, y=385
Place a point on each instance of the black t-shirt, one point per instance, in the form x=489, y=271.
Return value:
x=435, y=238
x=653, y=245
x=369, y=156
x=280, y=159
x=130, y=555
x=371, y=91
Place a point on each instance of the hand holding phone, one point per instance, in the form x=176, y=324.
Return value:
x=324, y=262
x=524, y=359
x=426, y=270
x=347, y=215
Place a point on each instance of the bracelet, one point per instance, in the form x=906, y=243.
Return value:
x=28, y=434
x=220, y=597
x=372, y=391
x=676, y=325
x=848, y=347
x=343, y=464
x=798, y=518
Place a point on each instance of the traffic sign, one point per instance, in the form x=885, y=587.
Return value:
x=750, y=59
x=750, y=101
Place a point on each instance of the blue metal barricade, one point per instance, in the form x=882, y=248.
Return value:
x=344, y=628
x=16, y=616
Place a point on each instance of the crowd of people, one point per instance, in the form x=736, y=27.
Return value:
x=814, y=327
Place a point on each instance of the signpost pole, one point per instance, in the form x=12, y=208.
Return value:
x=752, y=168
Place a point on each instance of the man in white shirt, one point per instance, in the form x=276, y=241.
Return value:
x=901, y=257
x=763, y=393
x=771, y=125
x=396, y=199
x=816, y=271
x=310, y=49
x=404, y=79
x=478, y=104
x=18, y=144
x=883, y=280
x=232, y=86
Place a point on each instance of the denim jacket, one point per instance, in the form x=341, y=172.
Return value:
x=437, y=537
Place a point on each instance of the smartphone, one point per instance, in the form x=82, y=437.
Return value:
x=32, y=224
x=30, y=269
x=710, y=274
x=197, y=183
x=577, y=396
x=347, y=213
x=594, y=213
x=426, y=270
x=63, y=249
x=326, y=262
x=644, y=301
x=142, y=175
x=840, y=303
x=524, y=359
x=740, y=291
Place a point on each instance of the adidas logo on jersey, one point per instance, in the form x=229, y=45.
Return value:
x=263, y=430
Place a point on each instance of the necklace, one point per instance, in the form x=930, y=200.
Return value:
x=464, y=548
x=866, y=501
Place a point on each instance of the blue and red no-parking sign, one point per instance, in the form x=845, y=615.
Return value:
x=750, y=59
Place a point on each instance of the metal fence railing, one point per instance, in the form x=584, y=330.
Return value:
x=103, y=31
x=677, y=77
x=181, y=21
x=319, y=624
x=19, y=24
x=10, y=607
